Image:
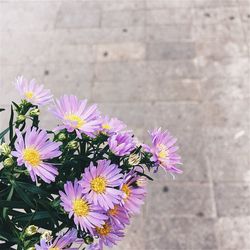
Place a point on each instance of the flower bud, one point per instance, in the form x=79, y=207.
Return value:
x=21, y=118
x=8, y=162
x=88, y=240
x=31, y=230
x=73, y=145
x=24, y=103
x=141, y=182
x=5, y=149
x=62, y=136
x=31, y=248
x=34, y=112
x=46, y=235
x=134, y=159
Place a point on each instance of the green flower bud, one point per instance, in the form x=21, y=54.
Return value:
x=141, y=182
x=8, y=162
x=34, y=112
x=134, y=159
x=62, y=136
x=31, y=230
x=46, y=235
x=24, y=103
x=88, y=240
x=5, y=149
x=73, y=145
x=31, y=248
x=21, y=118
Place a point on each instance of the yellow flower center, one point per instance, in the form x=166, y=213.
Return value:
x=98, y=185
x=163, y=151
x=106, y=126
x=81, y=207
x=54, y=248
x=76, y=119
x=29, y=94
x=126, y=190
x=32, y=156
x=104, y=230
x=113, y=211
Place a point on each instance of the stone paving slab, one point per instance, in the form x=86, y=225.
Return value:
x=232, y=145
x=233, y=233
x=122, y=18
x=173, y=202
x=233, y=199
x=97, y=35
x=28, y=16
x=180, y=234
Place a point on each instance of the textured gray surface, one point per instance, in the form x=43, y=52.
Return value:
x=180, y=64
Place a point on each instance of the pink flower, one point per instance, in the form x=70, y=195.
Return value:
x=33, y=150
x=118, y=216
x=121, y=144
x=163, y=151
x=85, y=214
x=109, y=234
x=76, y=116
x=99, y=184
x=32, y=92
x=112, y=125
x=134, y=194
x=61, y=242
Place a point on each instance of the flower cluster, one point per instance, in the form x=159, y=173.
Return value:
x=79, y=184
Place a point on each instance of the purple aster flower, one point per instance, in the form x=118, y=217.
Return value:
x=32, y=92
x=164, y=151
x=86, y=215
x=122, y=143
x=60, y=243
x=33, y=150
x=134, y=194
x=118, y=216
x=99, y=182
x=112, y=125
x=76, y=116
x=108, y=234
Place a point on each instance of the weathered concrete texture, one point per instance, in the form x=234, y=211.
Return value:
x=183, y=65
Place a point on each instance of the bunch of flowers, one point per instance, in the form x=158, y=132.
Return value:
x=77, y=186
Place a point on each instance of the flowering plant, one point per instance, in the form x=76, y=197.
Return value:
x=77, y=186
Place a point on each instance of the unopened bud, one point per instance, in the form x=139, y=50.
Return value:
x=141, y=181
x=24, y=103
x=5, y=149
x=21, y=118
x=31, y=248
x=8, y=162
x=61, y=136
x=134, y=159
x=31, y=230
x=73, y=145
x=88, y=240
x=46, y=235
x=34, y=112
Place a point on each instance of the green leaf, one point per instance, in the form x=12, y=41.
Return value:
x=39, y=215
x=8, y=199
x=22, y=194
x=13, y=204
x=16, y=106
x=2, y=134
x=32, y=188
x=11, y=122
